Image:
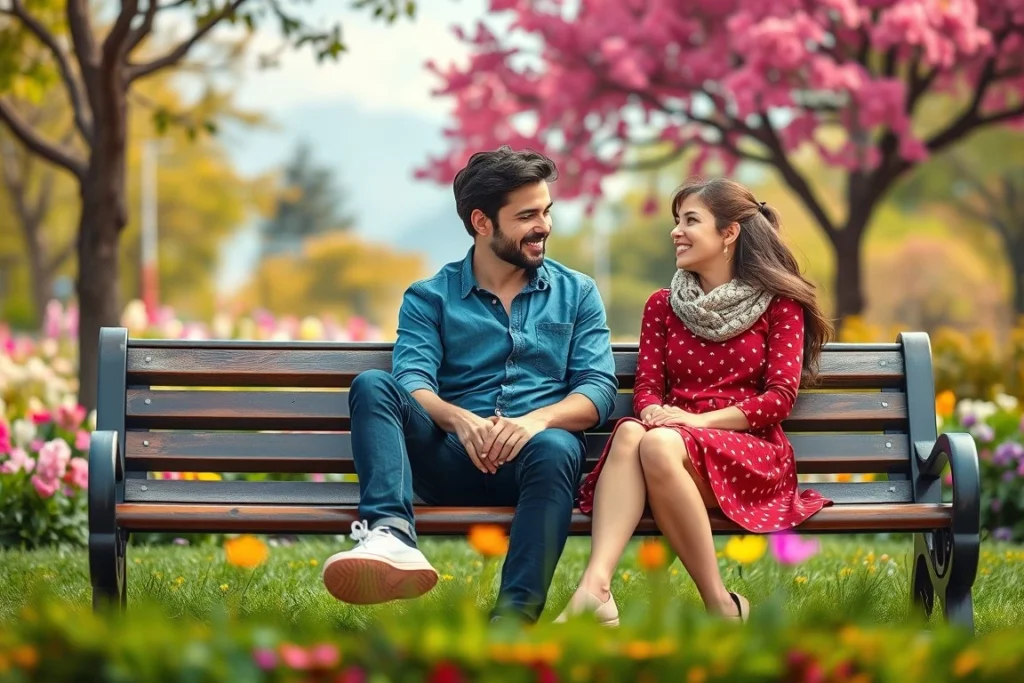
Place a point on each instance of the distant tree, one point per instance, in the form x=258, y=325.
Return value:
x=309, y=203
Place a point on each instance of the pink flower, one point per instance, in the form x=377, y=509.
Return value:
x=325, y=655
x=352, y=674
x=18, y=460
x=41, y=417
x=45, y=487
x=36, y=445
x=69, y=418
x=264, y=658
x=317, y=477
x=294, y=657
x=82, y=439
x=789, y=548
x=54, y=457
x=78, y=473
x=5, y=437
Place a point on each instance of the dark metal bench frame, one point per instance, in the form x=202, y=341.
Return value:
x=874, y=411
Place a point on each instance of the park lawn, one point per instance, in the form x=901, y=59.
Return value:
x=863, y=579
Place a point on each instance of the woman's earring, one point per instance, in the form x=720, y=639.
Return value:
x=725, y=251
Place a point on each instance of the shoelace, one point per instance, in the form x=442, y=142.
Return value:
x=360, y=531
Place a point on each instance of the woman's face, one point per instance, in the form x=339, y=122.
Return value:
x=697, y=241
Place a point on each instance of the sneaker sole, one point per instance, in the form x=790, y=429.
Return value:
x=369, y=581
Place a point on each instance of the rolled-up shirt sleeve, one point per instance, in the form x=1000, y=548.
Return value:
x=417, y=351
x=591, y=369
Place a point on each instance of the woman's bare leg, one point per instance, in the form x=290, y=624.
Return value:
x=618, y=505
x=680, y=509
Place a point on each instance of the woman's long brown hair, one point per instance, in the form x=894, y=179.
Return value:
x=761, y=257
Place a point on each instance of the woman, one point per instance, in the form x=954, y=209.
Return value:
x=722, y=355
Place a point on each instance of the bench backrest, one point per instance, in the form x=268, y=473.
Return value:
x=282, y=407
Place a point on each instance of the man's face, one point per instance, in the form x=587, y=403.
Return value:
x=523, y=226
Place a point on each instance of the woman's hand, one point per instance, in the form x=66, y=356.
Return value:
x=669, y=416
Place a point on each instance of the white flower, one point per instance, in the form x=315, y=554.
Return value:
x=22, y=432
x=1006, y=402
x=173, y=328
x=979, y=410
x=48, y=348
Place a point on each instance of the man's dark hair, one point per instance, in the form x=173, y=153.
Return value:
x=489, y=177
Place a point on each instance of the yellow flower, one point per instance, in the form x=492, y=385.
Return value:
x=652, y=555
x=746, y=549
x=844, y=477
x=180, y=580
x=845, y=571
x=945, y=404
x=638, y=649
x=447, y=577
x=313, y=562
x=224, y=587
x=246, y=551
x=696, y=675
x=966, y=662
x=800, y=579
x=488, y=539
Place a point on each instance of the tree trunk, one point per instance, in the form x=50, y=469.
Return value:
x=1016, y=251
x=100, y=225
x=39, y=272
x=847, y=287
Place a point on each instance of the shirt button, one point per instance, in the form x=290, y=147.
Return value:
x=494, y=301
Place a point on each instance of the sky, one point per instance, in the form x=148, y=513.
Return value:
x=370, y=117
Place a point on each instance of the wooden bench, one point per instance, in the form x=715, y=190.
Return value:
x=281, y=407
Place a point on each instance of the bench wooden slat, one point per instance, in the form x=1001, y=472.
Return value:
x=302, y=452
x=346, y=493
x=456, y=521
x=328, y=410
x=326, y=366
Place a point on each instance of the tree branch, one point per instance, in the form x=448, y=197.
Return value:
x=116, y=43
x=37, y=144
x=795, y=179
x=84, y=42
x=179, y=52
x=144, y=29
x=658, y=162
x=83, y=118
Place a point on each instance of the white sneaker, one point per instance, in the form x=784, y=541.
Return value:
x=380, y=569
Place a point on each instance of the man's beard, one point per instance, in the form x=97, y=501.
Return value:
x=512, y=253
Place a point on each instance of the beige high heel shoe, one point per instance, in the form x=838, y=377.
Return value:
x=582, y=602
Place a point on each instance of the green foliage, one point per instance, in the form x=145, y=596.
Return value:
x=193, y=617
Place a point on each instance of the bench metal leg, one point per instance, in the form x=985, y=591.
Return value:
x=922, y=591
x=937, y=555
x=107, y=543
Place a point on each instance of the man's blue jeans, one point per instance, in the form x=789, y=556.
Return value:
x=399, y=449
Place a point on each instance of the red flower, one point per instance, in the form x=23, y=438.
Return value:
x=446, y=672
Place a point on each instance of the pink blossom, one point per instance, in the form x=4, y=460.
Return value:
x=40, y=417
x=69, y=417
x=5, y=437
x=789, y=548
x=53, y=460
x=325, y=655
x=265, y=658
x=317, y=477
x=35, y=445
x=295, y=657
x=82, y=440
x=45, y=486
x=78, y=473
x=17, y=461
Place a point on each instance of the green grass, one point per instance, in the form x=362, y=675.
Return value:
x=863, y=580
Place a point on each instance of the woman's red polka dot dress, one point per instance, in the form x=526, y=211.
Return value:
x=752, y=473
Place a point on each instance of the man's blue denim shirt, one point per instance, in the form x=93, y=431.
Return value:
x=456, y=340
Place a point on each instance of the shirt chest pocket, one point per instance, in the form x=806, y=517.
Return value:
x=551, y=352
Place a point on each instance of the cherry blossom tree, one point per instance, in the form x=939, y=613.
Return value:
x=607, y=85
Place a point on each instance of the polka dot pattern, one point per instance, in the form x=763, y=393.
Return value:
x=752, y=473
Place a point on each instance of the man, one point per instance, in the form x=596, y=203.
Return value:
x=502, y=361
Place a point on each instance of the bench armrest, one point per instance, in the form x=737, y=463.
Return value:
x=961, y=453
x=106, y=475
